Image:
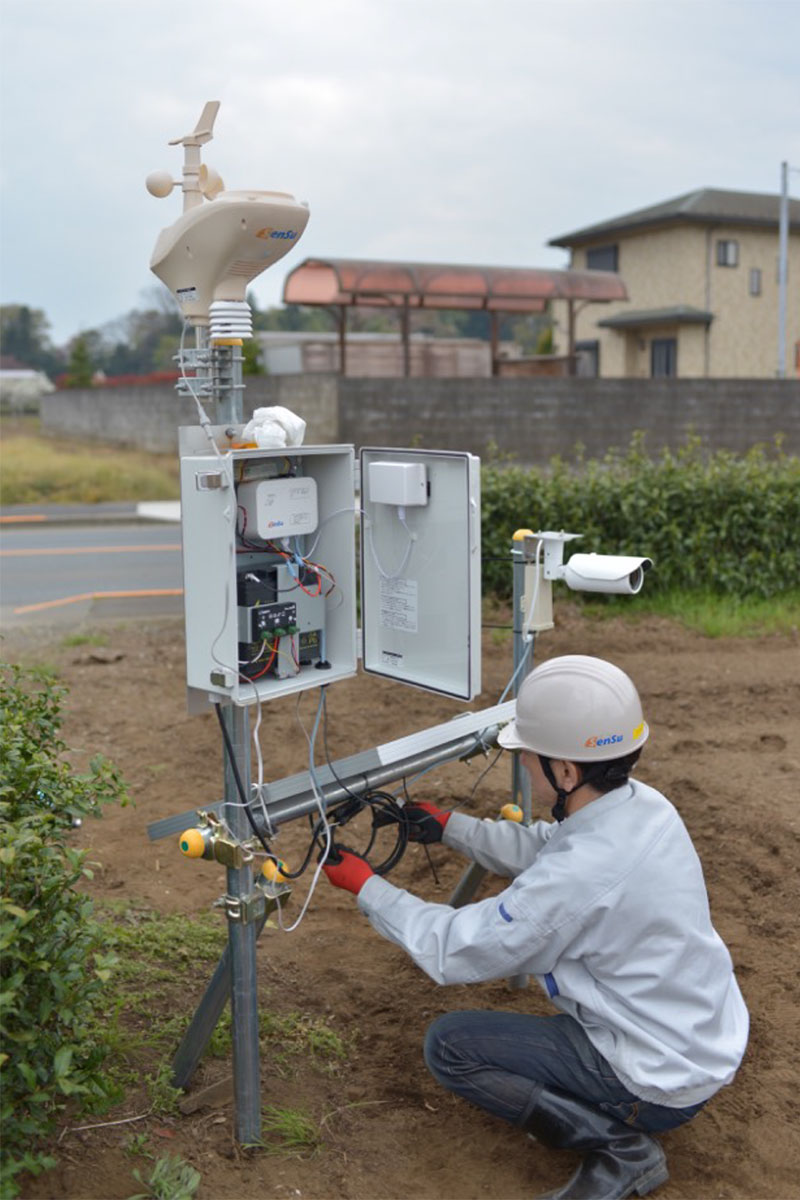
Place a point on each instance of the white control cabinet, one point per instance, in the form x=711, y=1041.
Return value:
x=269, y=569
x=421, y=568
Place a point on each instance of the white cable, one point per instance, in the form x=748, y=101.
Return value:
x=203, y=415
x=522, y=662
x=323, y=816
x=337, y=513
x=398, y=572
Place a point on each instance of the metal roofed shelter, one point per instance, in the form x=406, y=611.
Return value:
x=342, y=283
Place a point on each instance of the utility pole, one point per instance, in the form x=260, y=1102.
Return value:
x=783, y=268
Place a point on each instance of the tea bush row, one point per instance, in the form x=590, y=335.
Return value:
x=722, y=522
x=54, y=961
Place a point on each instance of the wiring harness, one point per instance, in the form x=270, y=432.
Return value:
x=384, y=809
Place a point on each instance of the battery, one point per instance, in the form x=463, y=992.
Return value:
x=257, y=586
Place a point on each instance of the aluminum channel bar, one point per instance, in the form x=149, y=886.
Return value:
x=301, y=805
x=359, y=772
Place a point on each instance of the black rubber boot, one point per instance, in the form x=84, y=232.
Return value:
x=619, y=1161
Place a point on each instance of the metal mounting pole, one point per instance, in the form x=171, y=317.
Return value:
x=474, y=874
x=520, y=783
x=204, y=1021
x=226, y=371
x=219, y=371
x=242, y=934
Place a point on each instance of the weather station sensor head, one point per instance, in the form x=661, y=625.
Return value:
x=224, y=239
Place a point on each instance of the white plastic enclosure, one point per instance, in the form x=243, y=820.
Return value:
x=421, y=570
x=264, y=616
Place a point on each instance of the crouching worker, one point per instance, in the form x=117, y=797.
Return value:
x=607, y=907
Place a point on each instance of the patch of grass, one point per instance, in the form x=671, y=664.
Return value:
x=167, y=941
x=138, y=1145
x=162, y=1095
x=289, y=1131
x=712, y=615
x=171, y=1178
x=39, y=470
x=291, y=1034
x=84, y=639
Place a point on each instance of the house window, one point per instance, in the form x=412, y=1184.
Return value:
x=602, y=258
x=663, y=358
x=755, y=281
x=727, y=253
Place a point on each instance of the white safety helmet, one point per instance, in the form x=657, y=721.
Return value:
x=579, y=709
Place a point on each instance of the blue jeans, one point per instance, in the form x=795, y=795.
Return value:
x=500, y=1062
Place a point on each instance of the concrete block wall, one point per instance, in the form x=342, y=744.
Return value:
x=149, y=416
x=534, y=419
x=529, y=419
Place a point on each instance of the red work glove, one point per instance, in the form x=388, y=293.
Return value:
x=347, y=870
x=426, y=822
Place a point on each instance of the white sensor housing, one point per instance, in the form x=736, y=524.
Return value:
x=611, y=573
x=401, y=483
x=619, y=574
x=279, y=508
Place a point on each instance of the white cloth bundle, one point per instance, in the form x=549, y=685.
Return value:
x=272, y=428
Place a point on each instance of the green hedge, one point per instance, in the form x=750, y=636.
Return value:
x=722, y=522
x=54, y=961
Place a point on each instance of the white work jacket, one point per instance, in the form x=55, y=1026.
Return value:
x=609, y=911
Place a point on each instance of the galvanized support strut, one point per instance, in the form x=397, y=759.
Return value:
x=474, y=875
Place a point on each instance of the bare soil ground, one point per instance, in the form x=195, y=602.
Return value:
x=725, y=747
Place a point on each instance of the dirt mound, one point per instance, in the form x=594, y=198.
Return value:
x=724, y=747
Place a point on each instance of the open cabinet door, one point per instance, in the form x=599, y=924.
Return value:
x=421, y=568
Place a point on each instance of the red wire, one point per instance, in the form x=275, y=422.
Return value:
x=270, y=662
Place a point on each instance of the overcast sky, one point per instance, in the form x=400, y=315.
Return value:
x=430, y=130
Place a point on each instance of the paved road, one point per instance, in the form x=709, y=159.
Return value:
x=54, y=571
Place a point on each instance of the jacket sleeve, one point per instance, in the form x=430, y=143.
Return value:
x=504, y=847
x=488, y=940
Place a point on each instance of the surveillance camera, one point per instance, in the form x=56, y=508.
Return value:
x=611, y=573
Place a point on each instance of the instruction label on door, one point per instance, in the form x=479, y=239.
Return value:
x=399, y=606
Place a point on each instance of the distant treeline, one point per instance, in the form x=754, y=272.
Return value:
x=145, y=340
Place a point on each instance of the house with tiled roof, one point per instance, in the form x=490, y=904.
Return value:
x=701, y=272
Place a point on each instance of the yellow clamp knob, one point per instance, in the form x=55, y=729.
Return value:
x=192, y=843
x=511, y=812
x=272, y=870
x=521, y=534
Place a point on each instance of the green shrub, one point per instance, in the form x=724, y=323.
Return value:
x=54, y=960
x=721, y=522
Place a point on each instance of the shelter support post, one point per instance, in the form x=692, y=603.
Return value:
x=571, y=362
x=405, y=331
x=342, y=340
x=494, y=339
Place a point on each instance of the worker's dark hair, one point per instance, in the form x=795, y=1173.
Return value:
x=605, y=776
